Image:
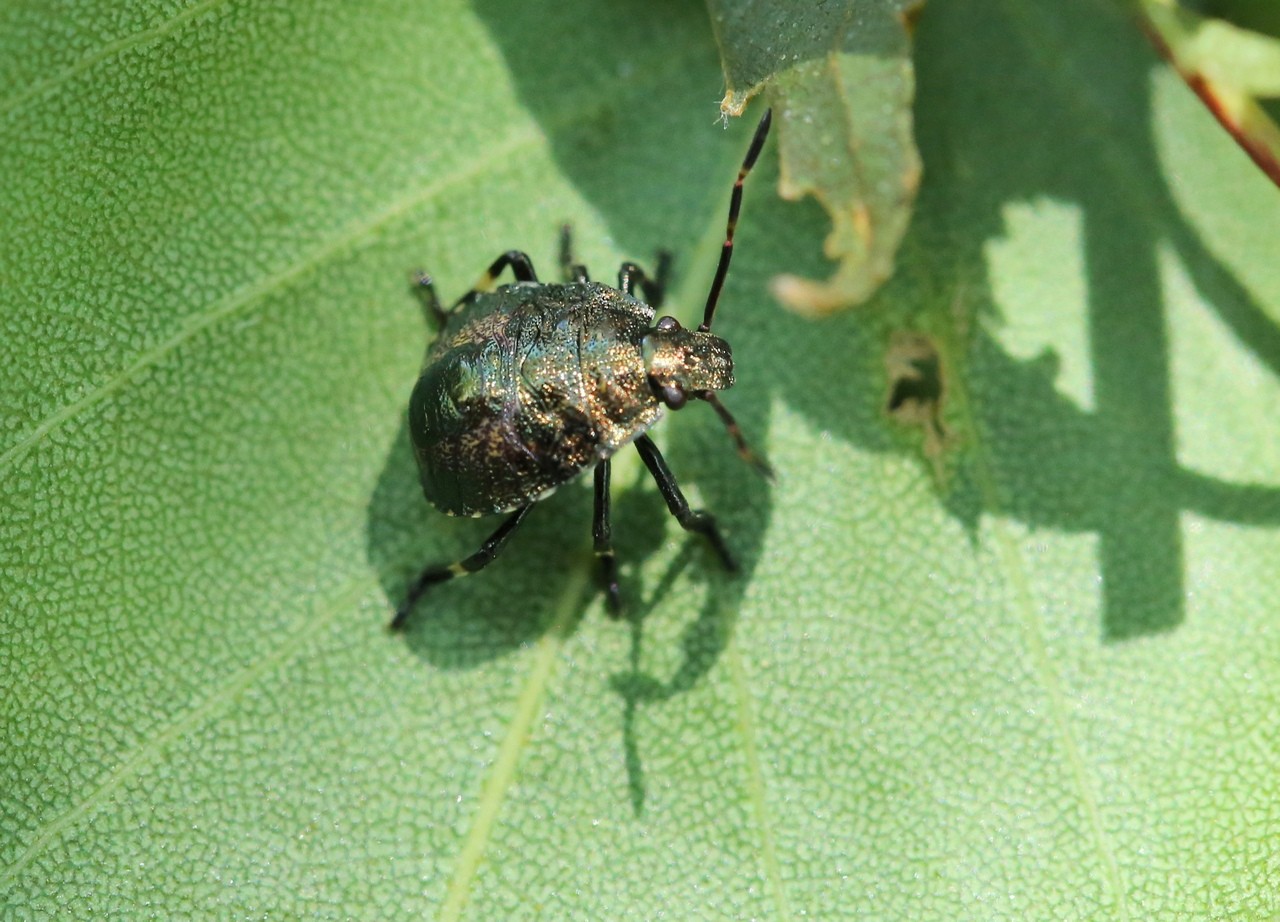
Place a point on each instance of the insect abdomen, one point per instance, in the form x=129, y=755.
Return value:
x=530, y=388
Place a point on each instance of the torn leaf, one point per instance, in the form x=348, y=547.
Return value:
x=917, y=390
x=840, y=80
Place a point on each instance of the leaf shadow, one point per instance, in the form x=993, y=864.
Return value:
x=706, y=634
x=1045, y=460
x=1069, y=124
x=462, y=623
x=1013, y=131
x=1113, y=471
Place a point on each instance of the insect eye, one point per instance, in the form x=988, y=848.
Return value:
x=673, y=395
x=667, y=324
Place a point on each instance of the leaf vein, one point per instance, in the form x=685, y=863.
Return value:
x=1023, y=607
x=131, y=764
x=755, y=781
x=15, y=102
x=519, y=730
x=255, y=292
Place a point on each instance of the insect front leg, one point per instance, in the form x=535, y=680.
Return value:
x=690, y=519
x=745, y=451
x=424, y=287
x=655, y=289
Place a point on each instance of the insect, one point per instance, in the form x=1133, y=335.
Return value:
x=530, y=384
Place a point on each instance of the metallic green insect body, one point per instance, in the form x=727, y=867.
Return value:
x=530, y=384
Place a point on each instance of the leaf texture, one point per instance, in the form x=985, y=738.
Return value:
x=1045, y=687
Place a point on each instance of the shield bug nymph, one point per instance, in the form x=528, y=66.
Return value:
x=529, y=384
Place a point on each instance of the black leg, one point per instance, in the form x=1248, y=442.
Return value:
x=477, y=561
x=656, y=293
x=630, y=275
x=735, y=203
x=571, y=271
x=602, y=532
x=689, y=519
x=521, y=268
x=425, y=288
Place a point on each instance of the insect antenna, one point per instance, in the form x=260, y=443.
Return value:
x=745, y=451
x=735, y=203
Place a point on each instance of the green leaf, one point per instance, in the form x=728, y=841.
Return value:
x=1229, y=68
x=839, y=76
x=1247, y=62
x=1044, y=689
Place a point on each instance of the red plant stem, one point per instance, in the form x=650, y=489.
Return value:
x=1258, y=152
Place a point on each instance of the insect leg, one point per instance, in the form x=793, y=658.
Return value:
x=735, y=203
x=656, y=291
x=602, y=532
x=689, y=519
x=425, y=288
x=630, y=275
x=572, y=272
x=521, y=268
x=477, y=561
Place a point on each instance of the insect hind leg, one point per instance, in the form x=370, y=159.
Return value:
x=438, y=573
x=602, y=533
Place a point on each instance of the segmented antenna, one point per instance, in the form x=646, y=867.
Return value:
x=735, y=204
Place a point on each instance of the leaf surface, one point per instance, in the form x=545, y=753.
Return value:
x=1045, y=687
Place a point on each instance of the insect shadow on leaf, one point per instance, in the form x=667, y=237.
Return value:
x=531, y=383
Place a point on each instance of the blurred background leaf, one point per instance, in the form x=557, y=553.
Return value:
x=1234, y=69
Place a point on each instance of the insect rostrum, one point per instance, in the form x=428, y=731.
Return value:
x=530, y=384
